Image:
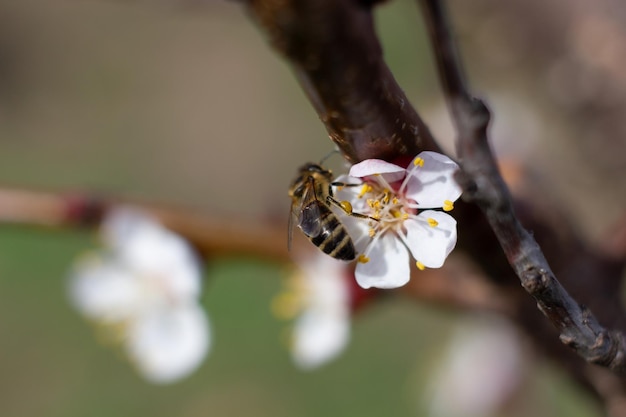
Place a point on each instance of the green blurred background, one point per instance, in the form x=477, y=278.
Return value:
x=184, y=102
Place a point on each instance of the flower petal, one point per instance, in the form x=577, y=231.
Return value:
x=369, y=167
x=103, y=291
x=319, y=336
x=388, y=265
x=433, y=182
x=148, y=249
x=431, y=245
x=169, y=344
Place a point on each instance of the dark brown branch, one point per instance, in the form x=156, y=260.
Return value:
x=334, y=51
x=483, y=185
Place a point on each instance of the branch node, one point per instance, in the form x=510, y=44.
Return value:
x=535, y=280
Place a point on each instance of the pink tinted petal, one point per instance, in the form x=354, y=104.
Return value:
x=431, y=245
x=370, y=167
x=430, y=185
x=388, y=266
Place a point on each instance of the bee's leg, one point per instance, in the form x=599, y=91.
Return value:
x=347, y=208
x=340, y=185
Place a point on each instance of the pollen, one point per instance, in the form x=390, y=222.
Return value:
x=346, y=206
x=420, y=265
x=418, y=162
x=363, y=259
x=448, y=205
x=432, y=222
x=372, y=232
x=364, y=190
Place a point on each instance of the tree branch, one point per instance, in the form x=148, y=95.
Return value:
x=484, y=186
x=456, y=286
x=336, y=56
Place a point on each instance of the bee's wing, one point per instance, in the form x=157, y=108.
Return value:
x=309, y=219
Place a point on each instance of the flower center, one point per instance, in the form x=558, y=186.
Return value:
x=388, y=207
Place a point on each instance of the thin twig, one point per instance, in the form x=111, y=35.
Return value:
x=483, y=185
x=456, y=286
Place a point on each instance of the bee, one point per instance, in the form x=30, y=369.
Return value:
x=311, y=199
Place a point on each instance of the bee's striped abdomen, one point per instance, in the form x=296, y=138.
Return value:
x=334, y=238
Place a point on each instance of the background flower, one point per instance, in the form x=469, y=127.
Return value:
x=317, y=297
x=142, y=289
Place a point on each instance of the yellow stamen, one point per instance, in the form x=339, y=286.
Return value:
x=432, y=222
x=395, y=200
x=364, y=190
x=346, y=206
x=418, y=162
x=420, y=265
x=405, y=216
x=372, y=232
x=386, y=197
x=363, y=259
x=448, y=205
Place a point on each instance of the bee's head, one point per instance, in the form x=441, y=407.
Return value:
x=311, y=168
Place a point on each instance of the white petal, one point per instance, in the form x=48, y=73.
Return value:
x=319, y=336
x=169, y=344
x=391, y=172
x=388, y=266
x=148, y=249
x=103, y=291
x=433, y=183
x=431, y=245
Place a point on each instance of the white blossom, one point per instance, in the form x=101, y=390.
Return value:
x=399, y=202
x=317, y=297
x=143, y=289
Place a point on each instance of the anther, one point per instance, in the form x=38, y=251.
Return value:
x=363, y=259
x=448, y=205
x=432, y=222
x=346, y=206
x=420, y=265
x=365, y=189
x=418, y=162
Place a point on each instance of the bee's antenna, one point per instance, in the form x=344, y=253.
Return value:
x=334, y=151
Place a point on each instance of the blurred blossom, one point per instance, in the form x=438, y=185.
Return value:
x=479, y=373
x=317, y=296
x=398, y=201
x=142, y=290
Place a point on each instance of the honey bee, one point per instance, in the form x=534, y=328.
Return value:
x=311, y=199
